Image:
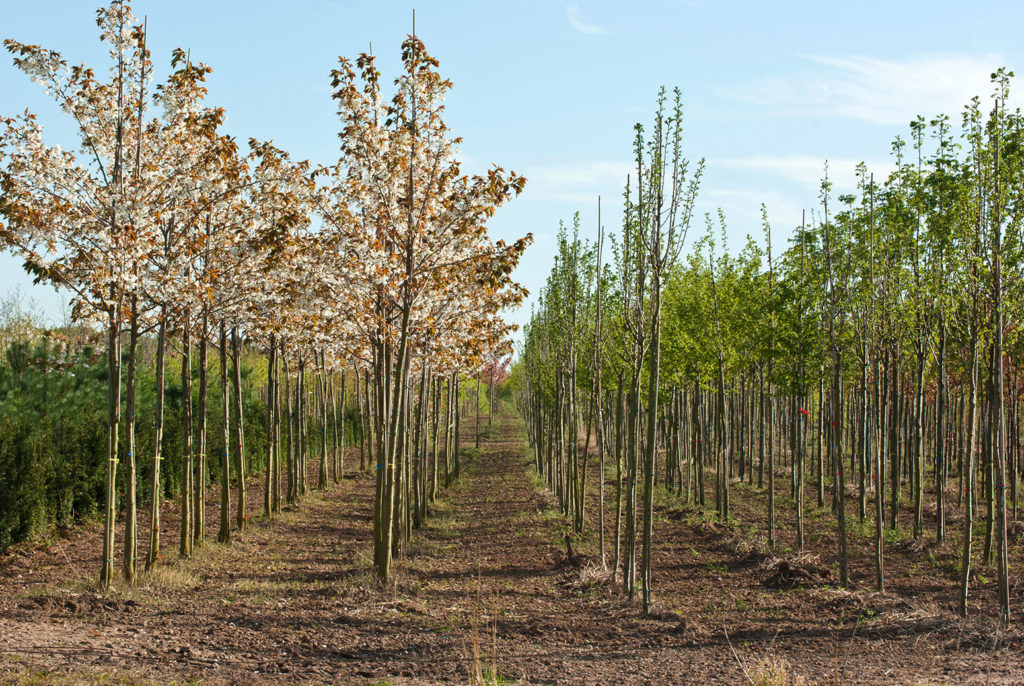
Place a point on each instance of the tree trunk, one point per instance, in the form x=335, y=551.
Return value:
x=158, y=436
x=187, y=487
x=130, y=519
x=224, y=535
x=199, y=501
x=242, y=518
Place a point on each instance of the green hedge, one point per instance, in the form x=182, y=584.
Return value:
x=53, y=434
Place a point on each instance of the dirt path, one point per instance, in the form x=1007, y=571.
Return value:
x=484, y=587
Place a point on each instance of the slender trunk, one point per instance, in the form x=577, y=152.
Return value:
x=321, y=387
x=821, y=436
x=158, y=435
x=918, y=466
x=864, y=437
x=113, y=420
x=940, y=440
x=620, y=405
x=652, y=418
x=199, y=502
x=242, y=518
x=771, y=462
x=291, y=492
x=338, y=438
x=130, y=520
x=844, y=579
x=798, y=456
x=969, y=472
x=436, y=423
x=187, y=488
x=600, y=459
x=879, y=482
x=224, y=535
x=268, y=489
x=276, y=492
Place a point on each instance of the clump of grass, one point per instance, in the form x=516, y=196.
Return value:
x=39, y=676
x=176, y=577
x=773, y=670
x=483, y=669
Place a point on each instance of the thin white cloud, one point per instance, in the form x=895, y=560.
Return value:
x=576, y=182
x=807, y=170
x=742, y=208
x=572, y=11
x=875, y=90
x=756, y=179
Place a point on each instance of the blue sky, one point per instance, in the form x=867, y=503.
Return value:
x=552, y=90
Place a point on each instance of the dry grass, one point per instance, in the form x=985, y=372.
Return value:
x=911, y=545
x=23, y=675
x=175, y=577
x=793, y=571
x=774, y=670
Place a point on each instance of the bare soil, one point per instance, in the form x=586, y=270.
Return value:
x=487, y=590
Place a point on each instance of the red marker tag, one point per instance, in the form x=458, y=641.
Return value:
x=803, y=411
